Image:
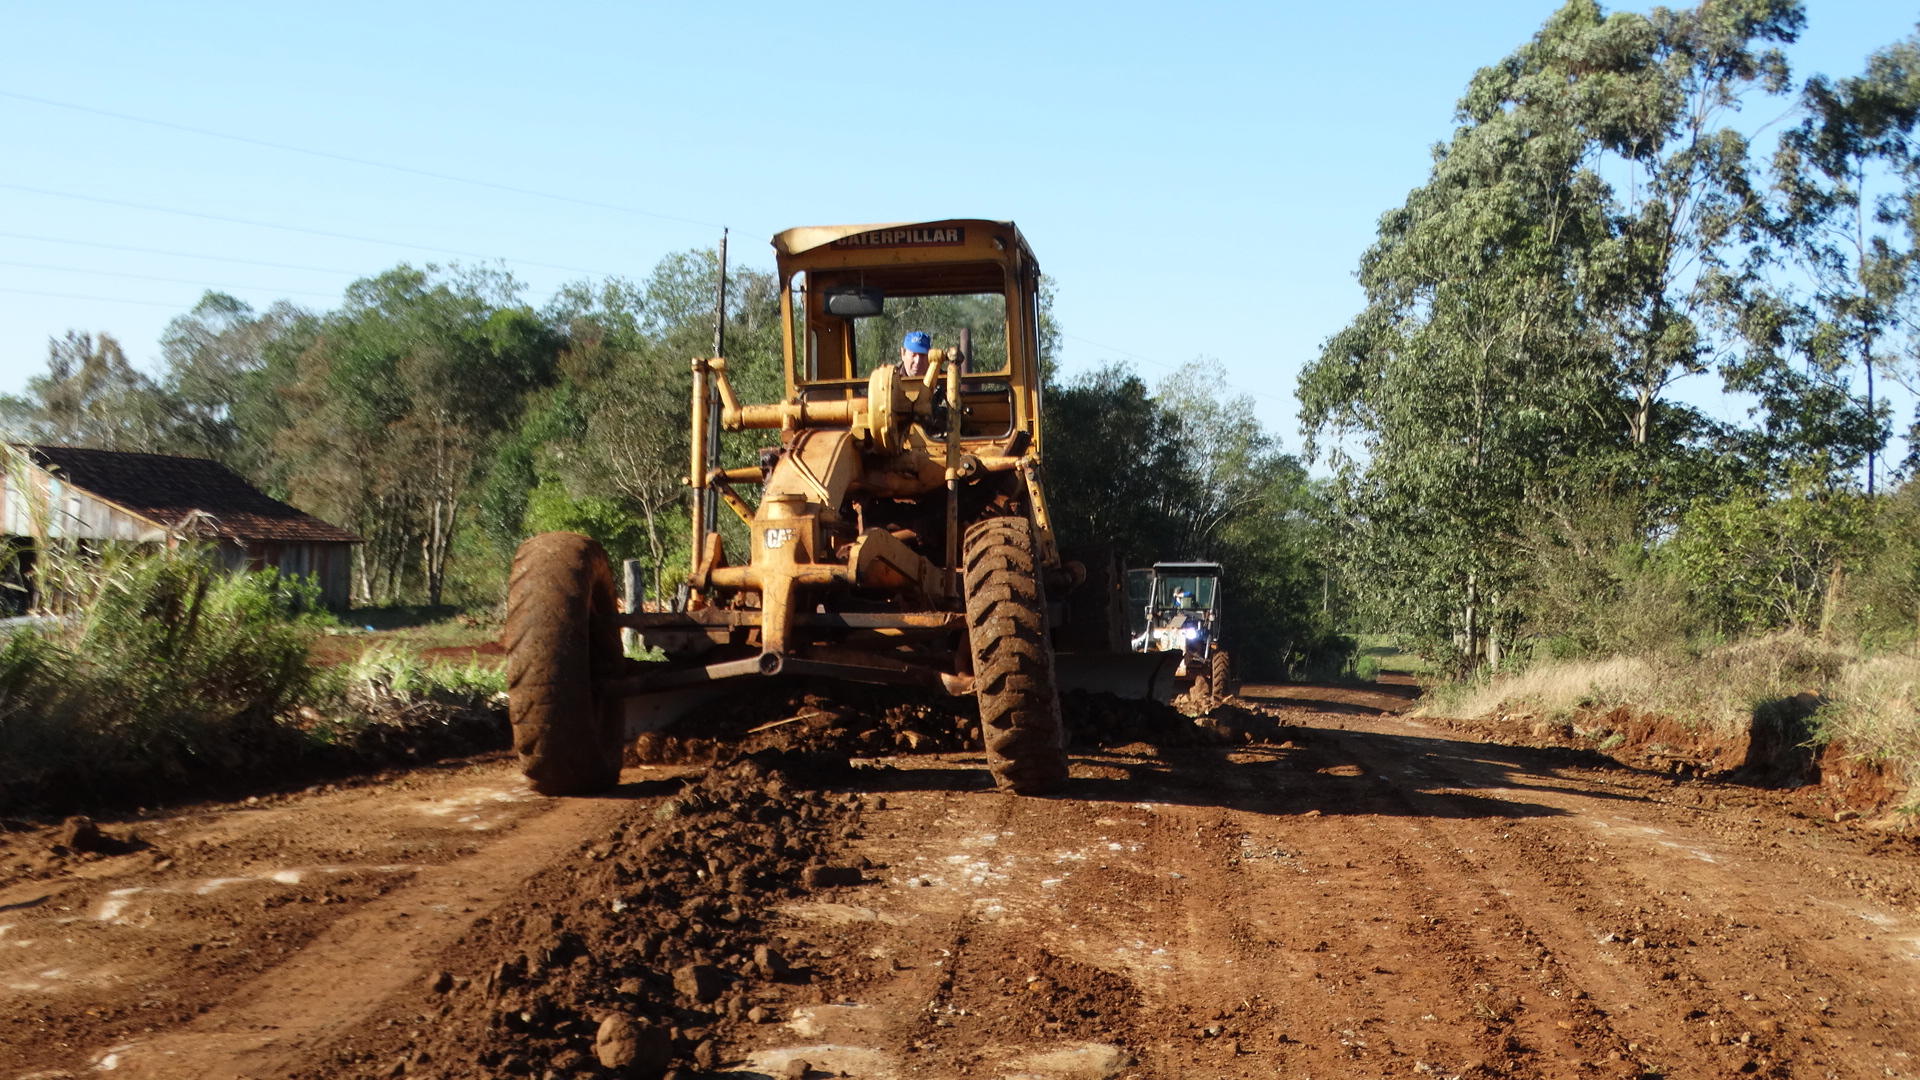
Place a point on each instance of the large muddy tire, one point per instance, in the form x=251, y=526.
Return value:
x=560, y=637
x=1220, y=669
x=1012, y=659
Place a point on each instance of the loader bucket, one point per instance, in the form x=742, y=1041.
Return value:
x=1130, y=675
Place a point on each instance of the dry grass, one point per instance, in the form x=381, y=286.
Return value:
x=1716, y=689
x=1872, y=701
x=1553, y=687
x=1874, y=711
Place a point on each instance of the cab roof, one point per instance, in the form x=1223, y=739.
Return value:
x=1187, y=567
x=808, y=237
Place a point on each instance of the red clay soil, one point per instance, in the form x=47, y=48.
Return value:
x=1775, y=753
x=1344, y=892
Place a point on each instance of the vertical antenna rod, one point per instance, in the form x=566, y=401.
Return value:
x=711, y=505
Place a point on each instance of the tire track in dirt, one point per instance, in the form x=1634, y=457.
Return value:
x=358, y=962
x=245, y=932
x=1369, y=897
x=1645, y=935
x=1380, y=901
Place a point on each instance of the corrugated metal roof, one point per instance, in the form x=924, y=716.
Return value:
x=195, y=496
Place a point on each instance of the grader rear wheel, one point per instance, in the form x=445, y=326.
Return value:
x=1012, y=659
x=560, y=637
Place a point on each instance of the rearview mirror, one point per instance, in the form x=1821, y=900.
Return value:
x=855, y=301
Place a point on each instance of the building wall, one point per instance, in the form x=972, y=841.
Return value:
x=72, y=514
x=328, y=564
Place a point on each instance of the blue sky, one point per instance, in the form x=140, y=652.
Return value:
x=1200, y=179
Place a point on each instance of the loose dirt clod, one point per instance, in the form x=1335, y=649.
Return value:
x=858, y=722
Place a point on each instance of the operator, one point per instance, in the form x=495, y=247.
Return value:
x=913, y=354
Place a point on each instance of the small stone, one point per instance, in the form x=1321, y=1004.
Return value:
x=639, y=1050
x=706, y=1056
x=441, y=982
x=798, y=1070
x=760, y=1015
x=79, y=833
x=830, y=877
x=1839, y=815
x=770, y=963
x=701, y=982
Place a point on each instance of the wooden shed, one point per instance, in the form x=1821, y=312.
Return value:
x=99, y=495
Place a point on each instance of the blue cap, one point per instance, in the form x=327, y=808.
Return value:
x=918, y=341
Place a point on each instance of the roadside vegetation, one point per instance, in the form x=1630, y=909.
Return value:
x=1522, y=494
x=156, y=671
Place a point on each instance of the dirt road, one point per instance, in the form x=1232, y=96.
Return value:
x=1364, y=895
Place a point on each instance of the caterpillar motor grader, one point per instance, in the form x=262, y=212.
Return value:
x=901, y=532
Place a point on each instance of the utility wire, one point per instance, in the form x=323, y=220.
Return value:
x=100, y=299
x=357, y=160
x=176, y=254
x=151, y=277
x=291, y=228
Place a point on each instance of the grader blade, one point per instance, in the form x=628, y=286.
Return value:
x=1134, y=676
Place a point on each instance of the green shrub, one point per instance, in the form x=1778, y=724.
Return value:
x=162, y=663
x=387, y=674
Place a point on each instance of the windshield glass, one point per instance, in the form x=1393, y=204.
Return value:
x=877, y=340
x=1185, y=591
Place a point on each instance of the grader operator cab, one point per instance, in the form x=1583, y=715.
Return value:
x=901, y=532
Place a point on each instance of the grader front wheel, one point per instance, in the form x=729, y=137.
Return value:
x=1221, y=670
x=560, y=637
x=1012, y=659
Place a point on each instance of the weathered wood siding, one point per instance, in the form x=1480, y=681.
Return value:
x=71, y=514
x=327, y=564
x=61, y=511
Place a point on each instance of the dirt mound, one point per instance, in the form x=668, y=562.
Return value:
x=1777, y=750
x=1104, y=720
x=813, y=717
x=857, y=721
x=646, y=950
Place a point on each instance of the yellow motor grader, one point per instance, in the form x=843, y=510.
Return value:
x=900, y=535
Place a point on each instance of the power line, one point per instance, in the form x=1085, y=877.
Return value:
x=100, y=299
x=291, y=228
x=1170, y=367
x=357, y=160
x=151, y=277
x=175, y=254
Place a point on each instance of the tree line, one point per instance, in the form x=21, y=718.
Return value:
x=1512, y=462
x=444, y=418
